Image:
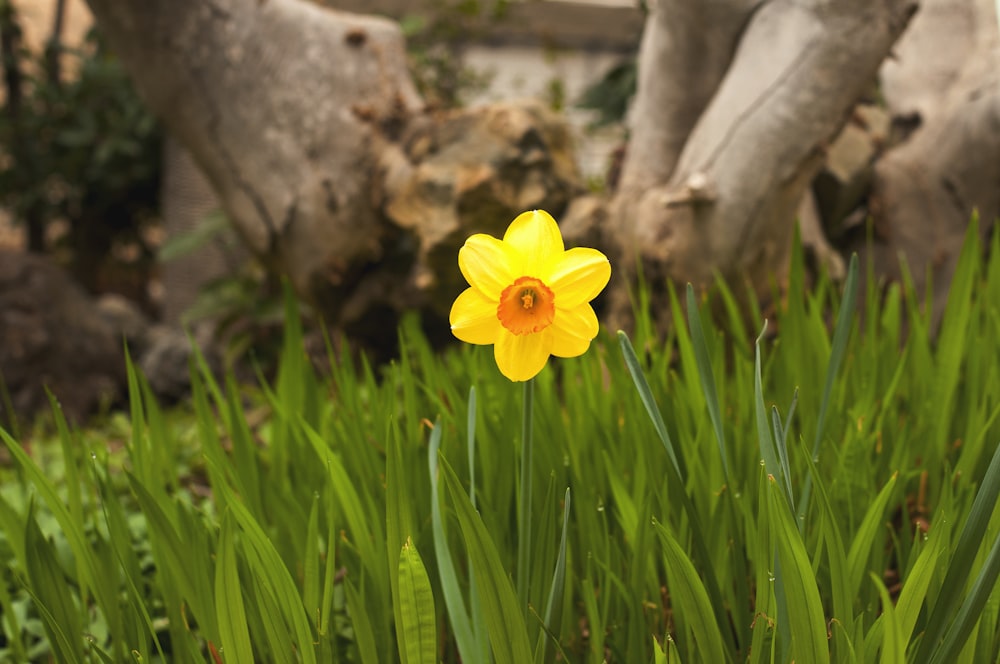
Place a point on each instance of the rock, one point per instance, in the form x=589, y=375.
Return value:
x=125, y=318
x=472, y=171
x=52, y=335
x=165, y=362
x=161, y=351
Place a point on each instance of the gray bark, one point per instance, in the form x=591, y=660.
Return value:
x=729, y=203
x=927, y=187
x=685, y=52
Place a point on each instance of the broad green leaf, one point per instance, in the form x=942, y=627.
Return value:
x=417, y=637
x=399, y=526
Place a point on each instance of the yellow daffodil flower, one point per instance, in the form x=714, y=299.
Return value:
x=528, y=296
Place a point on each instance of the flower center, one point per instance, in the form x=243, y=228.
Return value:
x=526, y=306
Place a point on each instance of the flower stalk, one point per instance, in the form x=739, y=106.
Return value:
x=524, y=502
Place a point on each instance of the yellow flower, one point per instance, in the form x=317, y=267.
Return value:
x=528, y=296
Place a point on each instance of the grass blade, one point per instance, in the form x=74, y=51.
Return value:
x=707, y=377
x=691, y=599
x=765, y=437
x=893, y=643
x=364, y=636
x=233, y=632
x=60, y=614
x=804, y=607
x=963, y=560
x=504, y=618
x=971, y=610
x=861, y=547
x=841, y=335
x=554, y=604
x=646, y=395
x=454, y=602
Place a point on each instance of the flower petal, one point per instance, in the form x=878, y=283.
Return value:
x=536, y=236
x=488, y=264
x=577, y=276
x=474, y=319
x=572, y=331
x=521, y=356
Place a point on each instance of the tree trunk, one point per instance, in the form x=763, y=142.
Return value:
x=726, y=201
x=927, y=187
x=280, y=103
x=309, y=129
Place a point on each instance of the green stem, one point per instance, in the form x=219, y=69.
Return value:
x=524, y=504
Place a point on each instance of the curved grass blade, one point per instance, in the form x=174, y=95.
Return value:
x=646, y=395
x=688, y=591
x=275, y=580
x=504, y=617
x=399, y=526
x=677, y=479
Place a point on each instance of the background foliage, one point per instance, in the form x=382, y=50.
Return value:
x=79, y=149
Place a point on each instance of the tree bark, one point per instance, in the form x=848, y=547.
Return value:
x=948, y=168
x=280, y=103
x=685, y=51
x=728, y=203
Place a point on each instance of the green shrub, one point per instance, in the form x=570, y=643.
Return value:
x=78, y=149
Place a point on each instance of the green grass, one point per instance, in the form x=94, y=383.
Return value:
x=824, y=492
